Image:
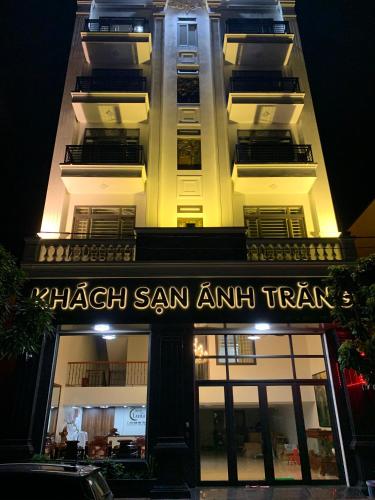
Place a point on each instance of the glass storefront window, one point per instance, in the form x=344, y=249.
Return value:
x=212, y=434
x=103, y=397
x=320, y=442
x=283, y=429
x=248, y=434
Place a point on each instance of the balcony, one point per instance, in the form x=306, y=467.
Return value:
x=116, y=41
x=107, y=168
x=299, y=250
x=257, y=43
x=107, y=373
x=119, y=97
x=80, y=251
x=280, y=168
x=264, y=100
x=184, y=245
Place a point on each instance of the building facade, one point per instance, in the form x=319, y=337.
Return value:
x=187, y=230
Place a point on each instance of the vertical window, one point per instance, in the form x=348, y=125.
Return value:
x=187, y=34
x=103, y=222
x=275, y=222
x=187, y=89
x=118, y=136
x=237, y=346
x=188, y=150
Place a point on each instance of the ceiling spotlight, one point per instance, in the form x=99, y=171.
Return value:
x=253, y=337
x=101, y=328
x=262, y=326
x=88, y=406
x=108, y=337
x=104, y=406
x=125, y=406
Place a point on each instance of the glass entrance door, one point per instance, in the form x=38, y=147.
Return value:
x=265, y=433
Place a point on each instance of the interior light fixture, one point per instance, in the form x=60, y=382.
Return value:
x=108, y=337
x=101, y=327
x=104, y=406
x=262, y=326
x=143, y=406
x=138, y=29
x=88, y=406
x=125, y=406
x=253, y=337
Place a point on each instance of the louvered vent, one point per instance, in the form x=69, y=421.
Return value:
x=103, y=222
x=275, y=222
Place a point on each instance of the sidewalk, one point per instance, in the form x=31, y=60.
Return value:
x=276, y=493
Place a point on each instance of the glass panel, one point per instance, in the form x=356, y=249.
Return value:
x=103, y=402
x=212, y=434
x=210, y=369
x=310, y=367
x=322, y=453
x=307, y=344
x=248, y=435
x=265, y=368
x=273, y=344
x=286, y=458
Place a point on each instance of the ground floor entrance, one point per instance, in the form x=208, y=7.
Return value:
x=272, y=430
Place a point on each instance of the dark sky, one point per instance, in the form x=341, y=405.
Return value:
x=339, y=50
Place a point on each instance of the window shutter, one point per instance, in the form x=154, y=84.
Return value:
x=275, y=222
x=103, y=222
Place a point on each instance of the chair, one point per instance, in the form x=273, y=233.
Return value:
x=294, y=458
x=98, y=447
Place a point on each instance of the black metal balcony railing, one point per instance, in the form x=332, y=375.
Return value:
x=257, y=26
x=117, y=25
x=273, y=153
x=104, y=153
x=110, y=83
x=107, y=373
x=264, y=84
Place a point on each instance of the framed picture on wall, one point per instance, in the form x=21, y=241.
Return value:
x=321, y=400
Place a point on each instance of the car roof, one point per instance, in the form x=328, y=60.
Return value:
x=49, y=468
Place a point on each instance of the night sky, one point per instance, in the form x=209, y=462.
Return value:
x=339, y=51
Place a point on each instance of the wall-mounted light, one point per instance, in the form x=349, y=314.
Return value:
x=108, y=337
x=261, y=327
x=101, y=327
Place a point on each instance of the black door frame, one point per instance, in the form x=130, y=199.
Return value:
x=266, y=436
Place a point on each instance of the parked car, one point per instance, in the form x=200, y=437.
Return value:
x=35, y=481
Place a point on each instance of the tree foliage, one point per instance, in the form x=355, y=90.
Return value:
x=352, y=293
x=23, y=320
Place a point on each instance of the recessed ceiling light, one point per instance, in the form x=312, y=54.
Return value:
x=108, y=337
x=88, y=406
x=253, y=337
x=262, y=326
x=101, y=327
x=104, y=406
x=125, y=406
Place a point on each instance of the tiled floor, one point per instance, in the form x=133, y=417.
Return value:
x=272, y=493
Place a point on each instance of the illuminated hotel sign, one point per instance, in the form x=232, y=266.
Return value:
x=157, y=298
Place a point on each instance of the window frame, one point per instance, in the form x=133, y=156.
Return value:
x=237, y=358
x=288, y=217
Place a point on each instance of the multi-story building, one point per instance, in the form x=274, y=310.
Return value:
x=187, y=230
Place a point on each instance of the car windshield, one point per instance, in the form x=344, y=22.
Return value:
x=99, y=486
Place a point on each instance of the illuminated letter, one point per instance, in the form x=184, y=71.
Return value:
x=321, y=297
x=205, y=297
x=304, y=297
x=179, y=297
x=286, y=297
x=119, y=297
x=79, y=298
x=142, y=299
x=248, y=296
x=159, y=300
x=94, y=303
x=225, y=297
x=270, y=292
x=56, y=297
